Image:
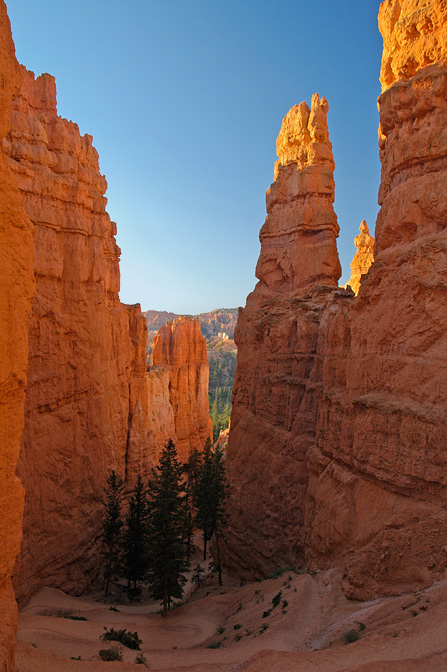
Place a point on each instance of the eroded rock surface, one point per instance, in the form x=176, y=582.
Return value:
x=363, y=258
x=180, y=350
x=17, y=286
x=337, y=451
x=279, y=371
x=86, y=403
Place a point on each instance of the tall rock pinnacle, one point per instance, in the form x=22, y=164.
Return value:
x=363, y=258
x=298, y=239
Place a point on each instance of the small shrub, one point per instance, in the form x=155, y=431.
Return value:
x=264, y=628
x=141, y=660
x=77, y=658
x=279, y=571
x=128, y=639
x=277, y=599
x=238, y=626
x=220, y=630
x=114, y=653
x=214, y=645
x=113, y=609
x=266, y=613
x=238, y=638
x=285, y=604
x=76, y=618
x=351, y=636
x=361, y=626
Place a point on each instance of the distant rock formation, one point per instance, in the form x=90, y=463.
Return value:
x=338, y=447
x=17, y=287
x=179, y=352
x=363, y=258
x=212, y=323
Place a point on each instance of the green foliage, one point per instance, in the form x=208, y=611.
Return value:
x=221, y=380
x=351, y=636
x=276, y=599
x=114, y=653
x=197, y=575
x=128, y=639
x=111, y=528
x=136, y=542
x=238, y=626
x=210, y=496
x=113, y=609
x=166, y=526
x=266, y=613
x=214, y=645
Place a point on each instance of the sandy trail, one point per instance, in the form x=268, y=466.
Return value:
x=305, y=630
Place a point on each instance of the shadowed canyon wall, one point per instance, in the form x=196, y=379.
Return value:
x=338, y=444
x=179, y=360
x=86, y=402
x=17, y=286
x=91, y=406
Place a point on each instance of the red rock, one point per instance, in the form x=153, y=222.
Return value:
x=298, y=239
x=337, y=451
x=86, y=404
x=17, y=286
x=363, y=258
x=180, y=349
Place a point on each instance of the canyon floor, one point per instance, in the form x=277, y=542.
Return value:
x=232, y=628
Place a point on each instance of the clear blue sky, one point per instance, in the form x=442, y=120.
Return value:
x=184, y=99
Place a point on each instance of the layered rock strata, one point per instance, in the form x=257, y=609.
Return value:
x=179, y=351
x=363, y=258
x=86, y=403
x=370, y=492
x=278, y=369
x=17, y=286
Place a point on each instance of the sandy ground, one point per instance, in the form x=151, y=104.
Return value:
x=237, y=628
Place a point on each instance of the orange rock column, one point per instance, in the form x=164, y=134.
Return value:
x=278, y=373
x=180, y=349
x=17, y=287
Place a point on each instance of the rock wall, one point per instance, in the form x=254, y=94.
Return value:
x=86, y=403
x=17, y=287
x=180, y=350
x=279, y=370
x=360, y=484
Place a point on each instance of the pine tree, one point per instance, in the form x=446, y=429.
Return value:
x=166, y=524
x=210, y=501
x=111, y=528
x=136, y=550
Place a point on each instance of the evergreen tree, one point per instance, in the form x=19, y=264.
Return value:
x=136, y=547
x=210, y=501
x=111, y=528
x=166, y=524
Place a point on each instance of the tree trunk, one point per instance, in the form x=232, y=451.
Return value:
x=204, y=544
x=219, y=566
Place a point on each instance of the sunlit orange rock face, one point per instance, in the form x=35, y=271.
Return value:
x=363, y=258
x=338, y=450
x=17, y=286
x=86, y=403
x=278, y=370
x=298, y=239
x=179, y=351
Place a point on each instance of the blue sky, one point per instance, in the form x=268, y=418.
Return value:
x=184, y=99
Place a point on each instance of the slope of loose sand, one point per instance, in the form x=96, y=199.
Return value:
x=304, y=632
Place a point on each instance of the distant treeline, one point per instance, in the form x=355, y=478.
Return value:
x=222, y=370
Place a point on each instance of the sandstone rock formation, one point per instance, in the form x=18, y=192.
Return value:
x=298, y=239
x=86, y=404
x=363, y=258
x=17, y=286
x=180, y=349
x=278, y=367
x=345, y=407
